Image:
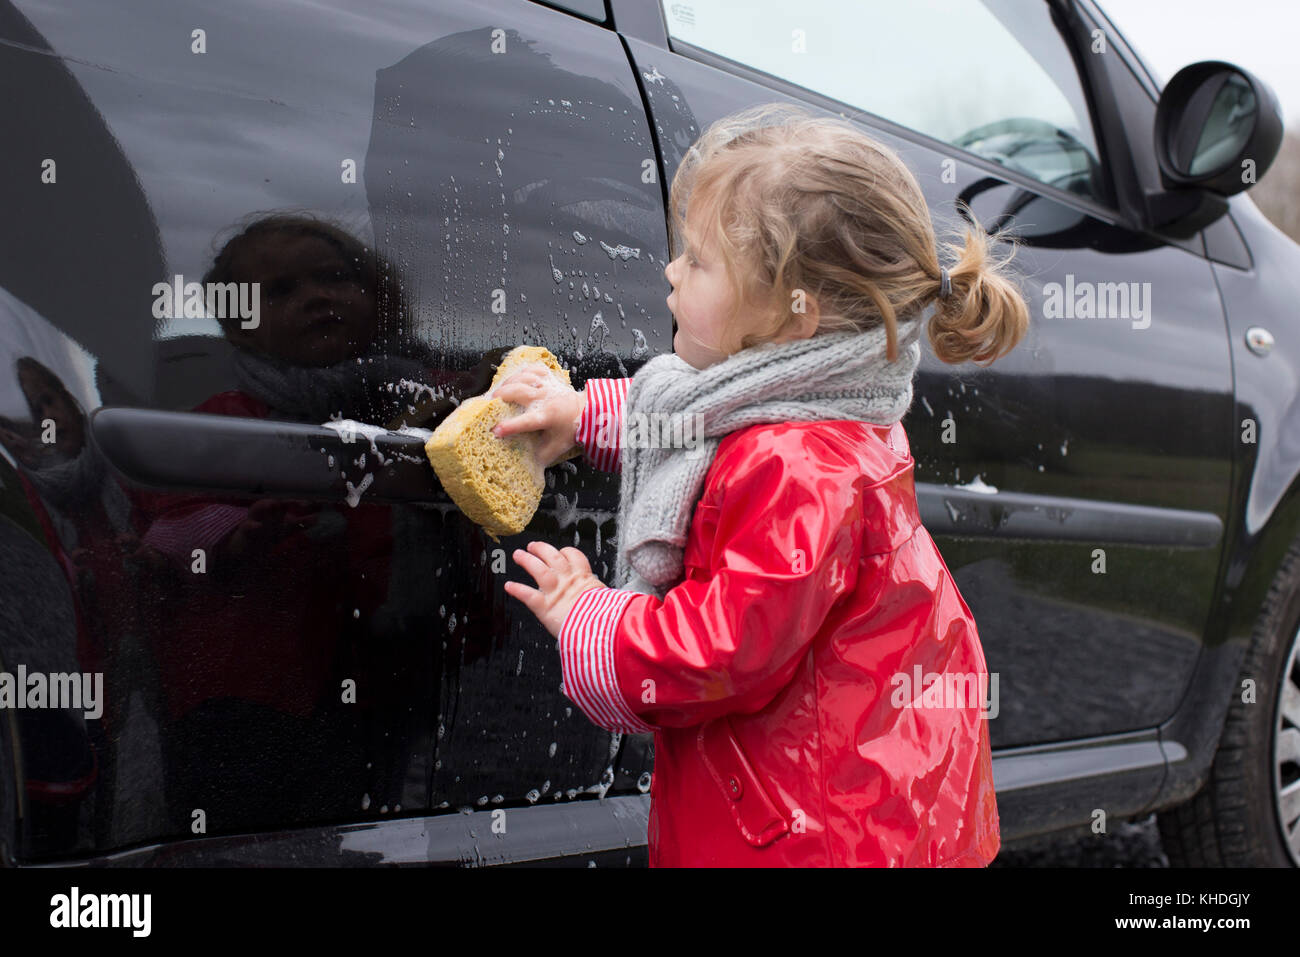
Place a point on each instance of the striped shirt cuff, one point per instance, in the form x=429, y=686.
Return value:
x=178, y=535
x=601, y=422
x=587, y=659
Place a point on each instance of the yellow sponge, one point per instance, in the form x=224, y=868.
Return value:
x=497, y=482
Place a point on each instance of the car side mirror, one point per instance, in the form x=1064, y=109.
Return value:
x=1218, y=128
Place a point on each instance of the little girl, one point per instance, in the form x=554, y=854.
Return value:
x=782, y=621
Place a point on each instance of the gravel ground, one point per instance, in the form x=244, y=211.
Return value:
x=1130, y=844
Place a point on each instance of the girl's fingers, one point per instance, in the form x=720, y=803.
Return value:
x=522, y=375
x=523, y=389
x=530, y=563
x=545, y=551
x=528, y=596
x=520, y=388
x=519, y=384
x=266, y=508
x=576, y=556
x=524, y=422
x=511, y=393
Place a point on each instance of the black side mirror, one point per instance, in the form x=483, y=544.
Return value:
x=1218, y=128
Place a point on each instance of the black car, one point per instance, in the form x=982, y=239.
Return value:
x=241, y=622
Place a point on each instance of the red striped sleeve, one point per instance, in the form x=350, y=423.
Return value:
x=601, y=422
x=178, y=535
x=587, y=659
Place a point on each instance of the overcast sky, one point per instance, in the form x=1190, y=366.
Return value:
x=1259, y=35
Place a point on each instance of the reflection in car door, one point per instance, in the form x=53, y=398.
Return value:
x=450, y=180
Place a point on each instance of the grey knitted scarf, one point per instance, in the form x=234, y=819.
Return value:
x=70, y=486
x=357, y=388
x=830, y=376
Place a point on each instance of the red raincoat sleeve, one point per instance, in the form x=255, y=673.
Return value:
x=601, y=424
x=786, y=548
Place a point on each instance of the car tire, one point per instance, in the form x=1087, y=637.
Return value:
x=1234, y=820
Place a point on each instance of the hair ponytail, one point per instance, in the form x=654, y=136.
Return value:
x=985, y=315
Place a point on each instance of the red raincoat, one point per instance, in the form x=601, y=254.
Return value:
x=815, y=685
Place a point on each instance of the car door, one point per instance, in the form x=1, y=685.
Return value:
x=295, y=626
x=1078, y=488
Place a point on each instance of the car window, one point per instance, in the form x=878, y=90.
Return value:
x=993, y=77
x=1153, y=81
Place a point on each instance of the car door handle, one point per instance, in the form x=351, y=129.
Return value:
x=202, y=452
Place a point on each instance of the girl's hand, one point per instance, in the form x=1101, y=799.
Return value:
x=268, y=520
x=555, y=415
x=25, y=447
x=561, y=575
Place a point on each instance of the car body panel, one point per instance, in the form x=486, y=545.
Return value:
x=528, y=217
x=534, y=161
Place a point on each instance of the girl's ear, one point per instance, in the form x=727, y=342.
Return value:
x=807, y=321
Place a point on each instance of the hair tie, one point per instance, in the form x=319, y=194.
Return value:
x=945, y=284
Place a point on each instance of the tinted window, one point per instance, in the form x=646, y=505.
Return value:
x=993, y=77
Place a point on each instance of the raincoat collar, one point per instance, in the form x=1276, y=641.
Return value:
x=676, y=415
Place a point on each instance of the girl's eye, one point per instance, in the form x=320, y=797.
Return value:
x=279, y=288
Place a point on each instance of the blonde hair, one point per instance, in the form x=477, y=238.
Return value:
x=797, y=203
